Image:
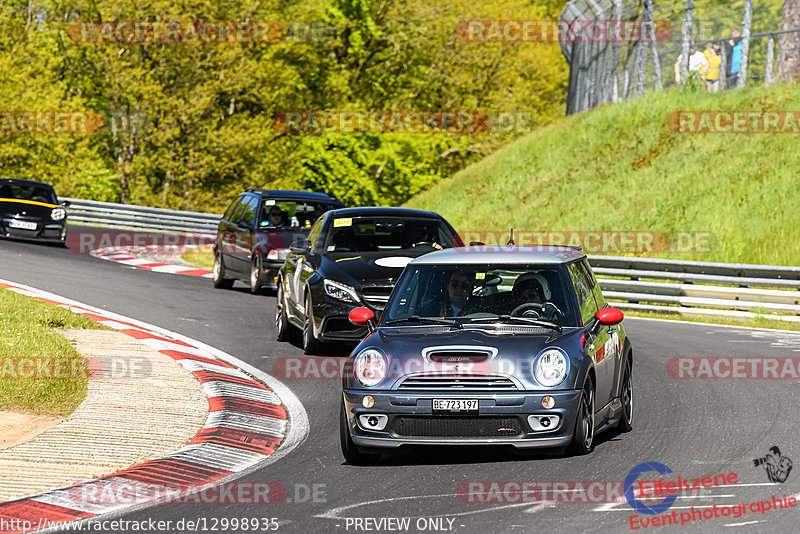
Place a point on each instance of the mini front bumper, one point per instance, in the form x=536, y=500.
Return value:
x=514, y=407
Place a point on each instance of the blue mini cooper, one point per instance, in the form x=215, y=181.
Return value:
x=488, y=346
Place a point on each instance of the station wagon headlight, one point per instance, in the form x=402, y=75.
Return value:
x=340, y=291
x=551, y=367
x=370, y=367
x=58, y=214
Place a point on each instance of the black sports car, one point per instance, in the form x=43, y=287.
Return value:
x=352, y=258
x=30, y=210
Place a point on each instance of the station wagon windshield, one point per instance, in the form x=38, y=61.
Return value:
x=510, y=293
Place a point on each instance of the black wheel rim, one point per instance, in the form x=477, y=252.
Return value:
x=627, y=396
x=587, y=419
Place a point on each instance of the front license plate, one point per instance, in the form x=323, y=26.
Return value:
x=455, y=405
x=22, y=225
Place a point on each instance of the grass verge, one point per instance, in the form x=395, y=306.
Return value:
x=723, y=197
x=201, y=257
x=28, y=345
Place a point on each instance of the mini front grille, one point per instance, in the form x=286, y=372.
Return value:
x=459, y=382
x=431, y=426
x=445, y=356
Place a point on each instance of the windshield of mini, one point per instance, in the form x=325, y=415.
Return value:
x=291, y=213
x=473, y=292
x=382, y=234
x=36, y=193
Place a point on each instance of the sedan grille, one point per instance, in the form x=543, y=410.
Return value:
x=427, y=426
x=376, y=296
x=459, y=382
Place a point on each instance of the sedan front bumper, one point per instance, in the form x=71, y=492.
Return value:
x=502, y=419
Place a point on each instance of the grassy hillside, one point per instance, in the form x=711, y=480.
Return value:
x=620, y=168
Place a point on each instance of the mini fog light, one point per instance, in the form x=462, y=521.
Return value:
x=372, y=421
x=368, y=401
x=544, y=421
x=548, y=401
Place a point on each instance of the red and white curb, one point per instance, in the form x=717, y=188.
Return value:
x=137, y=257
x=254, y=419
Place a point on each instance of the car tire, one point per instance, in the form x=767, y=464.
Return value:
x=626, y=396
x=583, y=435
x=218, y=274
x=350, y=451
x=256, y=277
x=311, y=345
x=283, y=330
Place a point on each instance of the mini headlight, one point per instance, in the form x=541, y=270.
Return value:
x=370, y=367
x=58, y=214
x=551, y=367
x=340, y=291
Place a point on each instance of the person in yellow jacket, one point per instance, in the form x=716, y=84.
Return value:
x=712, y=73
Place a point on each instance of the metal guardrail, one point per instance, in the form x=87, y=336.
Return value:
x=651, y=284
x=129, y=216
x=691, y=287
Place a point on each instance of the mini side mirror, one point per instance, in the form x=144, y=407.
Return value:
x=361, y=316
x=66, y=204
x=609, y=316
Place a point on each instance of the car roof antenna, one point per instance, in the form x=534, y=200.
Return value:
x=511, y=239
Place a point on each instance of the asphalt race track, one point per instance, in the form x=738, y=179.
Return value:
x=696, y=427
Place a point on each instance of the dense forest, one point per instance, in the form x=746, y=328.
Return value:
x=188, y=122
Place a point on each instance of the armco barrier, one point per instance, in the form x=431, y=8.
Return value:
x=649, y=284
x=735, y=289
x=128, y=216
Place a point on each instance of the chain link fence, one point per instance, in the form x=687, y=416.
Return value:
x=613, y=69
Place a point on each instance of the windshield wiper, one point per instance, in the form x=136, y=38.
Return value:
x=511, y=319
x=429, y=320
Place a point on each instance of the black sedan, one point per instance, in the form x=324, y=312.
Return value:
x=352, y=257
x=489, y=346
x=30, y=210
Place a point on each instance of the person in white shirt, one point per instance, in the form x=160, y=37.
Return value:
x=697, y=63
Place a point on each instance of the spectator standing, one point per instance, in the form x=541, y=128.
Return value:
x=733, y=52
x=714, y=60
x=697, y=63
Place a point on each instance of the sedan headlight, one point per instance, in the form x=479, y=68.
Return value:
x=340, y=291
x=58, y=214
x=370, y=367
x=551, y=367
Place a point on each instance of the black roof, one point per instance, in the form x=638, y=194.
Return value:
x=295, y=195
x=374, y=211
x=23, y=182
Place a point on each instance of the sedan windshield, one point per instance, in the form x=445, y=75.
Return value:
x=481, y=293
x=378, y=234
